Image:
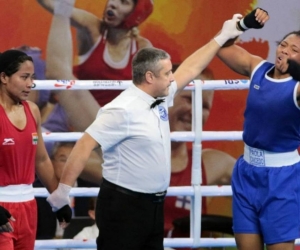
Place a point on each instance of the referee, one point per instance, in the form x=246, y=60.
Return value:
x=134, y=135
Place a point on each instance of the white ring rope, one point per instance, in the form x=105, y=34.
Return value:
x=198, y=136
x=112, y=84
x=175, y=136
x=178, y=242
x=174, y=242
x=172, y=191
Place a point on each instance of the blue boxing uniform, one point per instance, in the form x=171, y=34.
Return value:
x=266, y=179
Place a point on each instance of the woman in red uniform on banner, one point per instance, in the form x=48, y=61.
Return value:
x=105, y=46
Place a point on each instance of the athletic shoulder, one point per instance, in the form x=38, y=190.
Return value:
x=34, y=110
x=143, y=42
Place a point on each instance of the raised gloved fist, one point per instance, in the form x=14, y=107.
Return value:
x=64, y=214
x=4, y=216
x=293, y=69
x=251, y=20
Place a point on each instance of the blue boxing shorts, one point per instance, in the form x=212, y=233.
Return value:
x=266, y=201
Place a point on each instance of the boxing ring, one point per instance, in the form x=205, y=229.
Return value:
x=195, y=191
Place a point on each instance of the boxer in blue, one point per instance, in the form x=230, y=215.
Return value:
x=266, y=179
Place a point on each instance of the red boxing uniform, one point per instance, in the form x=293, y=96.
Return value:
x=17, y=150
x=17, y=167
x=95, y=68
x=179, y=206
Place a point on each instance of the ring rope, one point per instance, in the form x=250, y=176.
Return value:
x=174, y=242
x=115, y=85
x=171, y=191
x=175, y=136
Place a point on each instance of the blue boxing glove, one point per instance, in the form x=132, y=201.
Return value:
x=293, y=69
x=250, y=22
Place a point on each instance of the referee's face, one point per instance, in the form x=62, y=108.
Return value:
x=163, y=79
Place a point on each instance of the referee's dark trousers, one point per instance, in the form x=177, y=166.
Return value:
x=129, y=220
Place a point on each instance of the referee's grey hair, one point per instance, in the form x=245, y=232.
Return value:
x=147, y=59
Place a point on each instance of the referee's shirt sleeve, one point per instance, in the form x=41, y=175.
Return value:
x=110, y=127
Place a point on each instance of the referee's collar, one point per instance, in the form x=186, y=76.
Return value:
x=146, y=97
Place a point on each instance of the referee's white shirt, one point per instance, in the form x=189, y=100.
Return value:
x=135, y=140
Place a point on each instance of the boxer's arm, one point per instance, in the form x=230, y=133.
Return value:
x=192, y=66
x=79, y=18
x=237, y=58
x=59, y=199
x=72, y=169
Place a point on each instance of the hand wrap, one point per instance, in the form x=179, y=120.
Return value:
x=293, y=69
x=4, y=216
x=63, y=7
x=250, y=22
x=229, y=30
x=60, y=197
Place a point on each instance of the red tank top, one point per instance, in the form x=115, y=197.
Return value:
x=17, y=149
x=95, y=68
x=179, y=206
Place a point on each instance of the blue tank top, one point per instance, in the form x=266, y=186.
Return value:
x=272, y=117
